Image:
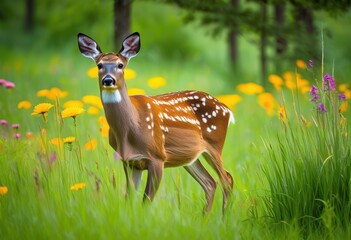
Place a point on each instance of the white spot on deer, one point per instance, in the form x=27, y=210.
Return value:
x=147, y=119
x=213, y=127
x=196, y=97
x=111, y=96
x=204, y=120
x=148, y=105
x=209, y=129
x=149, y=126
x=217, y=107
x=195, y=108
x=214, y=113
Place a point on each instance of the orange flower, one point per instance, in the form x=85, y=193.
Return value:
x=300, y=64
x=52, y=93
x=24, y=104
x=282, y=113
x=91, y=145
x=276, y=81
x=267, y=101
x=250, y=88
x=56, y=141
x=3, y=190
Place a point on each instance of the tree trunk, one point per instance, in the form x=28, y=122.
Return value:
x=29, y=15
x=122, y=16
x=263, y=42
x=280, y=41
x=233, y=38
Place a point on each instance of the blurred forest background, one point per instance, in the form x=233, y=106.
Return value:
x=248, y=39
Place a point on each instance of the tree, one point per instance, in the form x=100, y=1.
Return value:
x=122, y=21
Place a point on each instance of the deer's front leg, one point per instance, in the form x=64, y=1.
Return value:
x=155, y=172
x=125, y=168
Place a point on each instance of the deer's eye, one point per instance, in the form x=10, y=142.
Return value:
x=99, y=66
x=120, y=65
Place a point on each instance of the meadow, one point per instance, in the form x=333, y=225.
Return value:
x=288, y=151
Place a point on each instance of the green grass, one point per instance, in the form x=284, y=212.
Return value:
x=39, y=202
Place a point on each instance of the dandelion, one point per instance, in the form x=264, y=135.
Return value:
x=52, y=93
x=343, y=87
x=129, y=74
x=328, y=82
x=78, y=186
x=93, y=100
x=136, y=91
x=73, y=103
x=250, y=88
x=104, y=127
x=93, y=72
x=69, y=140
x=231, y=100
x=321, y=107
x=93, y=110
x=56, y=142
x=3, y=190
x=300, y=64
x=24, y=104
x=42, y=108
x=91, y=145
x=72, y=112
x=156, y=82
x=343, y=106
x=42, y=93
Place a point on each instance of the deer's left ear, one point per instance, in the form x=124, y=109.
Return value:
x=130, y=46
x=87, y=46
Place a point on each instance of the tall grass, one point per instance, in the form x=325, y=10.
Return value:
x=308, y=164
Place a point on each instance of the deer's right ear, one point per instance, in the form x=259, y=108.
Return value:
x=87, y=46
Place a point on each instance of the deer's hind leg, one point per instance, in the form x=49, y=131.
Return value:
x=226, y=179
x=200, y=174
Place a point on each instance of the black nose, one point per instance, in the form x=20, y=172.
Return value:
x=108, y=81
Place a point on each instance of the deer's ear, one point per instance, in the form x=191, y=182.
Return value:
x=130, y=46
x=87, y=46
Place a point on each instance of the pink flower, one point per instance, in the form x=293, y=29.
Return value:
x=15, y=126
x=9, y=85
x=17, y=135
x=2, y=81
x=3, y=121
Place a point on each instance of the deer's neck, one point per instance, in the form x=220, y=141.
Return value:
x=120, y=113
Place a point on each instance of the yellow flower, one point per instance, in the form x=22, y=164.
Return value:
x=56, y=142
x=91, y=145
x=136, y=91
x=231, y=100
x=343, y=87
x=348, y=94
x=93, y=100
x=250, y=88
x=104, y=127
x=73, y=103
x=78, y=186
x=3, y=190
x=93, y=72
x=24, y=104
x=276, y=81
x=343, y=106
x=267, y=101
x=282, y=113
x=72, y=112
x=93, y=110
x=129, y=74
x=52, y=93
x=42, y=108
x=69, y=140
x=300, y=64
x=42, y=93
x=156, y=82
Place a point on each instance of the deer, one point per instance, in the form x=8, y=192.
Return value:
x=163, y=131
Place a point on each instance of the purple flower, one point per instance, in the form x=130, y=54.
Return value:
x=342, y=96
x=53, y=157
x=328, y=82
x=310, y=63
x=314, y=94
x=321, y=107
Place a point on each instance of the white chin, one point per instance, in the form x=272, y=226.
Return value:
x=111, y=96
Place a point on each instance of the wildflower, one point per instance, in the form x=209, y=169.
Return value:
x=42, y=108
x=321, y=107
x=300, y=64
x=78, y=186
x=73, y=103
x=310, y=64
x=343, y=87
x=282, y=113
x=276, y=81
x=104, y=127
x=314, y=94
x=328, y=82
x=342, y=96
x=24, y=104
x=93, y=110
x=156, y=82
x=17, y=135
x=93, y=100
x=267, y=101
x=91, y=145
x=2, y=81
x=3, y=122
x=72, y=112
x=343, y=106
x=56, y=142
x=250, y=88
x=52, y=93
x=129, y=74
x=93, y=72
x=9, y=85
x=231, y=100
x=29, y=134
x=136, y=91
x=15, y=126
x=42, y=93
x=53, y=157
x=69, y=140
x=3, y=190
